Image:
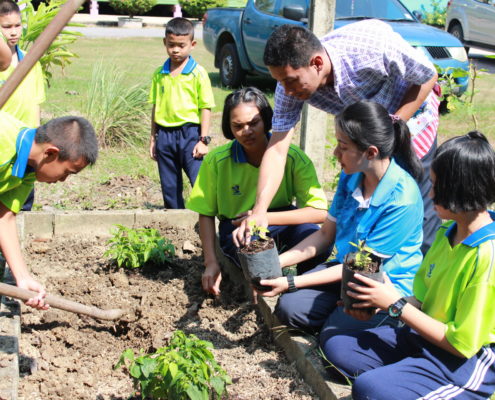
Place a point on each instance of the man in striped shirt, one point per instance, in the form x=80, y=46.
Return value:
x=363, y=60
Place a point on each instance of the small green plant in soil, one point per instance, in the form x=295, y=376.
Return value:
x=133, y=248
x=362, y=259
x=260, y=240
x=185, y=369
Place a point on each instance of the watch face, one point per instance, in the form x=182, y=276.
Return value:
x=394, y=311
x=205, y=139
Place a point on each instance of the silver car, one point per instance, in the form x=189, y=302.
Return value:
x=472, y=22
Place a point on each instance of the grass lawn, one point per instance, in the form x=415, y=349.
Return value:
x=137, y=58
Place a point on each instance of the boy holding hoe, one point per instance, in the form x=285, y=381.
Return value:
x=24, y=103
x=57, y=149
x=182, y=100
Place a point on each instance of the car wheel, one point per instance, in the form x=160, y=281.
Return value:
x=231, y=73
x=456, y=30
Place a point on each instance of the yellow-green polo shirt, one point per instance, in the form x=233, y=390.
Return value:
x=226, y=183
x=16, y=177
x=180, y=99
x=29, y=94
x=456, y=286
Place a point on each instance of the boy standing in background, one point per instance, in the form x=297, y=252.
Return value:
x=24, y=103
x=180, y=121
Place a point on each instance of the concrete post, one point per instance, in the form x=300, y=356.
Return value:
x=314, y=122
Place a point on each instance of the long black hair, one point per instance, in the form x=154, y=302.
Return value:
x=368, y=123
x=464, y=169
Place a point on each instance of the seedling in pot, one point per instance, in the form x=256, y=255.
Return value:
x=364, y=262
x=259, y=259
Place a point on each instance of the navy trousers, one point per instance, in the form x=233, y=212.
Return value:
x=174, y=148
x=390, y=364
x=28, y=204
x=285, y=236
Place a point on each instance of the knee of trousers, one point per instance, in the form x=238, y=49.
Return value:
x=290, y=312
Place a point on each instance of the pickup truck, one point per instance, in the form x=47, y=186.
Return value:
x=237, y=36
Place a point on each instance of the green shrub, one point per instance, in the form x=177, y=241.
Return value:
x=437, y=16
x=35, y=22
x=118, y=111
x=132, y=7
x=133, y=248
x=186, y=369
x=197, y=8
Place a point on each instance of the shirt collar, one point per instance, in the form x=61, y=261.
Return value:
x=478, y=237
x=386, y=185
x=188, y=68
x=23, y=145
x=20, y=54
x=238, y=154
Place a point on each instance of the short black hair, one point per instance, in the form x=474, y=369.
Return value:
x=73, y=136
x=464, y=169
x=246, y=95
x=9, y=7
x=291, y=45
x=180, y=27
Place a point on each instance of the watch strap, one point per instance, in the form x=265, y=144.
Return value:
x=395, y=309
x=292, y=287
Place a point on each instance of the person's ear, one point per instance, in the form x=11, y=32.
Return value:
x=317, y=62
x=372, y=152
x=165, y=41
x=50, y=153
x=193, y=44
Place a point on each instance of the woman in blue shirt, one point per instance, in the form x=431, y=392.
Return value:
x=377, y=201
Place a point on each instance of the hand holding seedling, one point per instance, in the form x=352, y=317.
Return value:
x=241, y=217
x=373, y=293
x=242, y=235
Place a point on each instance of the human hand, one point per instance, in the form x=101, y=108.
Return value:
x=200, y=150
x=153, y=147
x=242, y=235
x=211, y=278
x=279, y=285
x=38, y=301
x=241, y=217
x=373, y=293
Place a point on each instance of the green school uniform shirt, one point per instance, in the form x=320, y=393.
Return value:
x=226, y=183
x=16, y=178
x=180, y=99
x=456, y=286
x=30, y=93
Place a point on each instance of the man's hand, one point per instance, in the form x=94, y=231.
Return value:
x=242, y=235
x=37, y=302
x=200, y=150
x=211, y=278
x=153, y=147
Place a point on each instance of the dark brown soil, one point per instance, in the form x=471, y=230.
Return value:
x=257, y=246
x=370, y=268
x=71, y=357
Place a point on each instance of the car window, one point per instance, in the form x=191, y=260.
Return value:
x=383, y=9
x=267, y=6
x=284, y=3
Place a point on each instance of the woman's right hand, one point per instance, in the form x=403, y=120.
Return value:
x=211, y=278
x=279, y=285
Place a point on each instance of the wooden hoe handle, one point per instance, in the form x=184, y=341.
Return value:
x=62, y=304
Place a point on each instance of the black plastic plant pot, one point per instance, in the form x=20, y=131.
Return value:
x=348, y=276
x=260, y=265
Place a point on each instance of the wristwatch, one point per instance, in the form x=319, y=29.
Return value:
x=205, y=139
x=395, y=310
x=292, y=287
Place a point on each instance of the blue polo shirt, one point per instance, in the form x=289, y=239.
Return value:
x=390, y=222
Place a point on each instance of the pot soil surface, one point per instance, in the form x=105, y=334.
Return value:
x=66, y=356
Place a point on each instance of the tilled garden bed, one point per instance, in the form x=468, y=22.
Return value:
x=66, y=356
